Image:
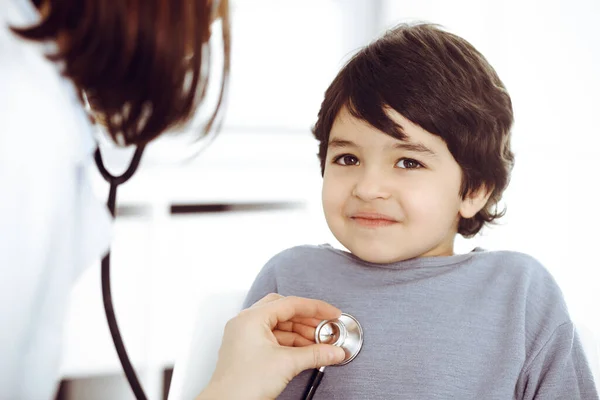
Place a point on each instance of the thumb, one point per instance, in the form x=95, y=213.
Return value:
x=316, y=356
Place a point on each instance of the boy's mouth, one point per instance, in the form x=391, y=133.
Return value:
x=369, y=219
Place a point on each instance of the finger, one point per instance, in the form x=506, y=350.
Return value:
x=271, y=297
x=316, y=356
x=286, y=308
x=307, y=332
x=285, y=326
x=291, y=339
x=307, y=321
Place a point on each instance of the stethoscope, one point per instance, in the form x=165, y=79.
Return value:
x=344, y=332
x=114, y=182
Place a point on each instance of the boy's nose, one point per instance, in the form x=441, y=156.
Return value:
x=370, y=186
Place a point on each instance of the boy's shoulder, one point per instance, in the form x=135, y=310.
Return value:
x=511, y=259
x=527, y=279
x=513, y=263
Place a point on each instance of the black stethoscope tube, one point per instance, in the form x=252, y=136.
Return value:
x=114, y=182
x=315, y=381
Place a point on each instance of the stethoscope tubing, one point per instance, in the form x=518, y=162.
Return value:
x=111, y=319
x=315, y=381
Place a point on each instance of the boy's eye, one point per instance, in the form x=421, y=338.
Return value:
x=408, y=163
x=347, y=159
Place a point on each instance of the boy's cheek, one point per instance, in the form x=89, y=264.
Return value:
x=335, y=184
x=333, y=202
x=426, y=203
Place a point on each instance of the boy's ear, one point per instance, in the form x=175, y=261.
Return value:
x=474, y=201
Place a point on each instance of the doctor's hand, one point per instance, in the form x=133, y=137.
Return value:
x=267, y=345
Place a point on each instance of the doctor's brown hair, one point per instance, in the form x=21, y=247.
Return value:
x=440, y=82
x=143, y=65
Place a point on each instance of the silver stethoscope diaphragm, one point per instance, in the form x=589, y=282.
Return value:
x=344, y=332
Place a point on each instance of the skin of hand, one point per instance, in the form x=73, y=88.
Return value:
x=267, y=345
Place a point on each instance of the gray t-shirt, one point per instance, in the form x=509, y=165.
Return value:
x=482, y=325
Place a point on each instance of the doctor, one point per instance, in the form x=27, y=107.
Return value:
x=141, y=65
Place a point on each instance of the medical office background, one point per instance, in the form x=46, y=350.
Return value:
x=197, y=223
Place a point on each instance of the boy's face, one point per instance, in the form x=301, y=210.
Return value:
x=388, y=200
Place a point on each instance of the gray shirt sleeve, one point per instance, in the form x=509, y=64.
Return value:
x=558, y=371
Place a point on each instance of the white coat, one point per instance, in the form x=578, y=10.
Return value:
x=51, y=225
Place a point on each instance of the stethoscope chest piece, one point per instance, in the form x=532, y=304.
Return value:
x=344, y=332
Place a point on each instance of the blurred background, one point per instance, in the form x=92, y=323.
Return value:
x=192, y=227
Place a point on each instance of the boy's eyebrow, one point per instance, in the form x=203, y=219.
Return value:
x=408, y=146
x=415, y=147
x=340, y=143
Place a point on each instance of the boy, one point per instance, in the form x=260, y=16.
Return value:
x=415, y=148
